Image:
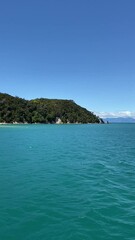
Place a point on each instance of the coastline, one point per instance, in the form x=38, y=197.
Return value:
x=55, y=123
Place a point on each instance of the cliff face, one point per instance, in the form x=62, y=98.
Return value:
x=15, y=109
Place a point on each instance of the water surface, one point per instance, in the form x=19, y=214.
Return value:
x=67, y=182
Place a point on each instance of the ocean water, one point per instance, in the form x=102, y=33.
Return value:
x=67, y=182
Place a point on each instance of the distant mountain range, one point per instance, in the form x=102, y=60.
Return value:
x=120, y=120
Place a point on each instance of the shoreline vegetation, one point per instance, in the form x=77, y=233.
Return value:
x=15, y=110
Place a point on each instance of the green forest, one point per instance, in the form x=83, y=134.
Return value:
x=42, y=110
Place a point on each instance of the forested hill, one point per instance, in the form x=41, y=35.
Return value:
x=15, y=109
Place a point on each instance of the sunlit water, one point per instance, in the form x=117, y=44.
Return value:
x=67, y=182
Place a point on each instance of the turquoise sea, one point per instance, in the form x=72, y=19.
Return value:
x=67, y=182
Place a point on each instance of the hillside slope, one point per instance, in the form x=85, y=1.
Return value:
x=15, y=109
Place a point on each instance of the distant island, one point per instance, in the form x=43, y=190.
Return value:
x=42, y=110
x=120, y=120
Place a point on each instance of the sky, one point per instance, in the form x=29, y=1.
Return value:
x=77, y=49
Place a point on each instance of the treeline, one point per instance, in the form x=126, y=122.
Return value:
x=15, y=109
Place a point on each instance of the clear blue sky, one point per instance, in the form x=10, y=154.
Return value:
x=77, y=49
